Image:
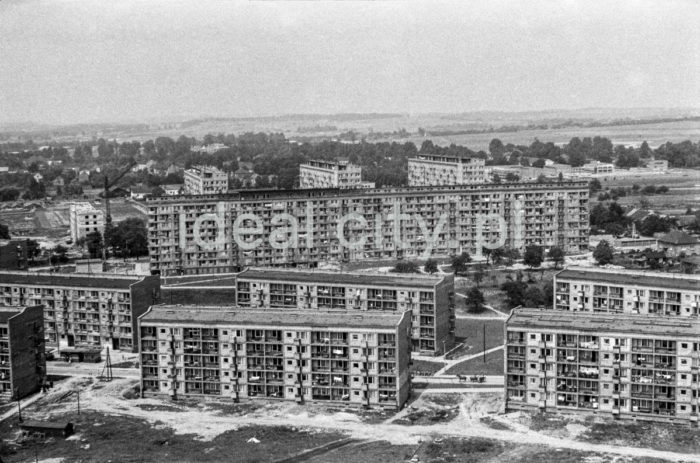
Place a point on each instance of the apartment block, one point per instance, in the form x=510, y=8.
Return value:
x=248, y=228
x=236, y=353
x=428, y=298
x=22, y=351
x=331, y=174
x=83, y=310
x=84, y=219
x=642, y=367
x=438, y=169
x=205, y=180
x=627, y=291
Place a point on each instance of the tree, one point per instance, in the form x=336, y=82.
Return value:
x=511, y=177
x=431, y=266
x=541, y=179
x=533, y=297
x=556, y=255
x=654, y=224
x=534, y=255
x=496, y=148
x=128, y=238
x=459, y=263
x=603, y=253
x=475, y=300
x=58, y=255
x=406, y=266
x=93, y=241
x=595, y=185
x=654, y=259
x=479, y=274
x=539, y=163
x=4, y=232
x=515, y=292
x=496, y=178
x=33, y=249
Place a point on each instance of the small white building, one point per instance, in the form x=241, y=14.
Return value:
x=202, y=180
x=331, y=174
x=84, y=219
x=437, y=169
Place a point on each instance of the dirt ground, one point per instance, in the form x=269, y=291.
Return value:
x=433, y=427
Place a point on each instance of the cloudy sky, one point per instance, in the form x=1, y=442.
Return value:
x=66, y=61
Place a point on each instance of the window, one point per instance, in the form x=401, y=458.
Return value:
x=289, y=362
x=684, y=345
x=533, y=336
x=354, y=337
x=684, y=376
x=533, y=351
x=162, y=330
x=532, y=394
x=606, y=401
x=289, y=335
x=224, y=332
x=606, y=371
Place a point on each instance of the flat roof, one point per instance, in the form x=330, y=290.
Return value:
x=654, y=325
x=341, y=278
x=636, y=278
x=81, y=280
x=233, y=315
x=318, y=193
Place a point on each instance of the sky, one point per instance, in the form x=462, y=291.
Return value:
x=73, y=61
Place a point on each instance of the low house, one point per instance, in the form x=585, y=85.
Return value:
x=139, y=192
x=677, y=242
x=172, y=189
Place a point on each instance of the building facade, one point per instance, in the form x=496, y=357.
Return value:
x=429, y=299
x=83, y=310
x=236, y=353
x=205, y=180
x=13, y=254
x=84, y=219
x=437, y=169
x=331, y=174
x=627, y=292
x=249, y=227
x=627, y=366
x=22, y=351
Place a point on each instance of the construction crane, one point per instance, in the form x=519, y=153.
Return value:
x=108, y=213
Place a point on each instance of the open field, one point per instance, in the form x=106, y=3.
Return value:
x=654, y=134
x=471, y=332
x=442, y=427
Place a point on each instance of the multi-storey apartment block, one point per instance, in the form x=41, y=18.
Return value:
x=205, y=180
x=237, y=353
x=331, y=174
x=627, y=291
x=84, y=219
x=437, y=221
x=429, y=299
x=83, y=310
x=438, y=169
x=627, y=366
x=22, y=351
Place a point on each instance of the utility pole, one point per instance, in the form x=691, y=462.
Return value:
x=484, y=337
x=19, y=406
x=78, y=402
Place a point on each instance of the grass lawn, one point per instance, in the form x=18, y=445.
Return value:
x=427, y=368
x=493, y=365
x=456, y=450
x=125, y=439
x=658, y=436
x=471, y=332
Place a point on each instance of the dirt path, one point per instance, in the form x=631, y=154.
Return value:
x=451, y=363
x=208, y=423
x=500, y=315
